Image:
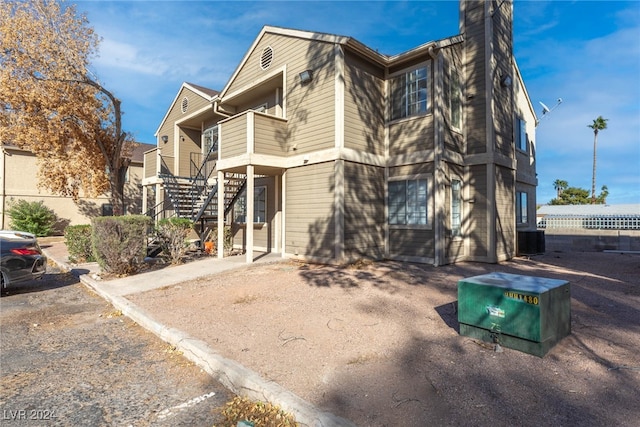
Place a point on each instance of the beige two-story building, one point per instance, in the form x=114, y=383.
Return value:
x=347, y=153
x=19, y=181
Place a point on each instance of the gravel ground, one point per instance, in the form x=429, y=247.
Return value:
x=379, y=343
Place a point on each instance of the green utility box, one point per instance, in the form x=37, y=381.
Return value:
x=525, y=313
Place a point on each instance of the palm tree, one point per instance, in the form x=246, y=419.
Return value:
x=560, y=185
x=597, y=125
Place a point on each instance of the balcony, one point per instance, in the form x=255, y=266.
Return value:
x=155, y=164
x=255, y=133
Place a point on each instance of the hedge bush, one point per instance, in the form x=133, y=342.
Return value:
x=32, y=217
x=172, y=234
x=120, y=243
x=78, y=241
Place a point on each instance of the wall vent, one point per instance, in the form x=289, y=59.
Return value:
x=266, y=58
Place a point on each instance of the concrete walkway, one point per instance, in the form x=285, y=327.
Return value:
x=237, y=378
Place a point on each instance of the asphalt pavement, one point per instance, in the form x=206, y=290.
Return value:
x=69, y=358
x=237, y=378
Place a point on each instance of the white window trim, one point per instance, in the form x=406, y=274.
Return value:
x=424, y=64
x=460, y=236
x=266, y=207
x=526, y=209
x=430, y=211
x=521, y=131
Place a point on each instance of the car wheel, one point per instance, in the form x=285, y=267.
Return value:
x=2, y=284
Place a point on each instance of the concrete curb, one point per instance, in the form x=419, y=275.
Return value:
x=237, y=378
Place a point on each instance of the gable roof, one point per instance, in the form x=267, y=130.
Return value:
x=139, y=148
x=350, y=42
x=204, y=92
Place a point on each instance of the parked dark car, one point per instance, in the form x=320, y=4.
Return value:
x=21, y=258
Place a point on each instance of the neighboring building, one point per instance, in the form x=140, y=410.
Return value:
x=19, y=180
x=425, y=156
x=621, y=217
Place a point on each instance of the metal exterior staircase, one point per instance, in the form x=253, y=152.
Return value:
x=194, y=197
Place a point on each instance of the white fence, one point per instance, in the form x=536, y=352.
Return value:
x=590, y=222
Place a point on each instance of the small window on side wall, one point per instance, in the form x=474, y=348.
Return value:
x=456, y=208
x=521, y=134
x=521, y=208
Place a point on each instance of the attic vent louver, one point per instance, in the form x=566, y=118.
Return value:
x=266, y=58
x=185, y=104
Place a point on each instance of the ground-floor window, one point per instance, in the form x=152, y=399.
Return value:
x=521, y=207
x=408, y=202
x=259, y=205
x=456, y=208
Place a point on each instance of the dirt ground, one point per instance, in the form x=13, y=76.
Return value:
x=379, y=343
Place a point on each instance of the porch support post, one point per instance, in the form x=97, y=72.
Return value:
x=283, y=223
x=249, y=217
x=220, y=201
x=145, y=192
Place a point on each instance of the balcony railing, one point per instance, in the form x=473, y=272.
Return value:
x=253, y=132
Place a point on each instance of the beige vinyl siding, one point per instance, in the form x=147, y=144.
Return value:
x=503, y=102
x=269, y=135
x=475, y=85
x=453, y=138
x=151, y=163
x=478, y=211
x=505, y=211
x=263, y=233
x=410, y=170
x=175, y=114
x=309, y=211
x=410, y=135
x=309, y=108
x=364, y=106
x=411, y=243
x=363, y=211
x=189, y=143
x=233, y=138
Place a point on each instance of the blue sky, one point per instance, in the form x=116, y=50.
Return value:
x=585, y=52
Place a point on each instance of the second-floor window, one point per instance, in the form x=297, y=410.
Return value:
x=409, y=94
x=521, y=134
x=210, y=139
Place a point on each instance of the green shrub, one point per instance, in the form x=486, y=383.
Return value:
x=172, y=234
x=78, y=241
x=32, y=217
x=120, y=243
